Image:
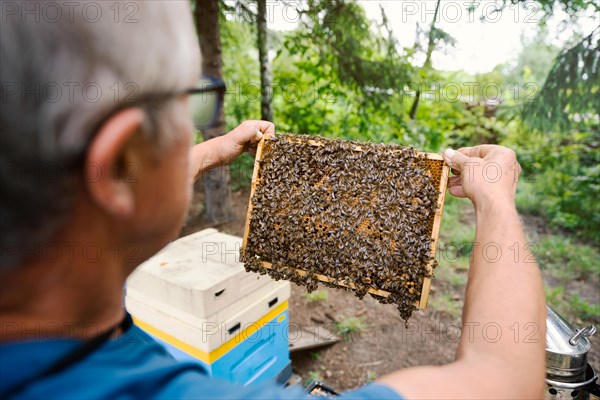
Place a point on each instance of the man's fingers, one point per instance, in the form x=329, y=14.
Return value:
x=454, y=181
x=266, y=127
x=457, y=191
x=252, y=131
x=455, y=187
x=478, y=151
x=455, y=159
x=258, y=135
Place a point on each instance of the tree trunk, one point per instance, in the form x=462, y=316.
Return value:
x=415, y=105
x=266, y=104
x=217, y=195
x=427, y=65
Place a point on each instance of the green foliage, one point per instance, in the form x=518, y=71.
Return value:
x=524, y=76
x=472, y=128
x=339, y=74
x=527, y=199
x=240, y=72
x=571, y=7
x=240, y=172
x=317, y=296
x=571, y=92
x=350, y=326
x=341, y=35
x=562, y=178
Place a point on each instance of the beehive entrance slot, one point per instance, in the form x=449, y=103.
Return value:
x=272, y=302
x=234, y=328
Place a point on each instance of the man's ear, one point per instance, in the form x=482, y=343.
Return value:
x=107, y=155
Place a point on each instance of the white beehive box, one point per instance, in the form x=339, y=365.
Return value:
x=199, y=275
x=210, y=333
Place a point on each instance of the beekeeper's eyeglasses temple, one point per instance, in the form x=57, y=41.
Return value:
x=215, y=86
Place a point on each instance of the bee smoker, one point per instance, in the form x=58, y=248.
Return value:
x=568, y=374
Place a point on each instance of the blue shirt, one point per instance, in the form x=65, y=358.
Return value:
x=134, y=366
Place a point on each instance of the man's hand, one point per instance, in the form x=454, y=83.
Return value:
x=484, y=173
x=224, y=149
x=243, y=138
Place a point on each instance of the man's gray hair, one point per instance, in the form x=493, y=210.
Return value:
x=64, y=66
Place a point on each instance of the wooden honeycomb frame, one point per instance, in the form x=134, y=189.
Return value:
x=434, y=161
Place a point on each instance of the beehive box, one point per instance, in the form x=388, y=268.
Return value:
x=198, y=274
x=211, y=334
x=196, y=299
x=359, y=216
x=247, y=342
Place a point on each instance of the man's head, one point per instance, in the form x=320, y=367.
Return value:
x=94, y=137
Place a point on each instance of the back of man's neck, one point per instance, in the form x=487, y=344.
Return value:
x=59, y=304
x=21, y=327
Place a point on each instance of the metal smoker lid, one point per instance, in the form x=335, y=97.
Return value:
x=561, y=338
x=566, y=353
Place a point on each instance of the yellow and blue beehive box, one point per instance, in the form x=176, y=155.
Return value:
x=197, y=300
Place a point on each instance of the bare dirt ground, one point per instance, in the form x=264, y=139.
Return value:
x=430, y=338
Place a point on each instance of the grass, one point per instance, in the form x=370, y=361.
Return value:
x=371, y=376
x=554, y=295
x=313, y=376
x=559, y=255
x=350, y=326
x=462, y=264
x=456, y=238
x=567, y=260
x=317, y=296
x=452, y=224
x=450, y=274
x=563, y=258
x=444, y=302
x=572, y=306
x=585, y=311
x=456, y=235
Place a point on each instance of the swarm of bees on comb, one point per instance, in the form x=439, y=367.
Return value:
x=359, y=216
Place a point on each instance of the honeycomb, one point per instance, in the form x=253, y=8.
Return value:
x=359, y=216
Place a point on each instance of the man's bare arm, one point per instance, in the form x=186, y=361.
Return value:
x=502, y=349
x=223, y=150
